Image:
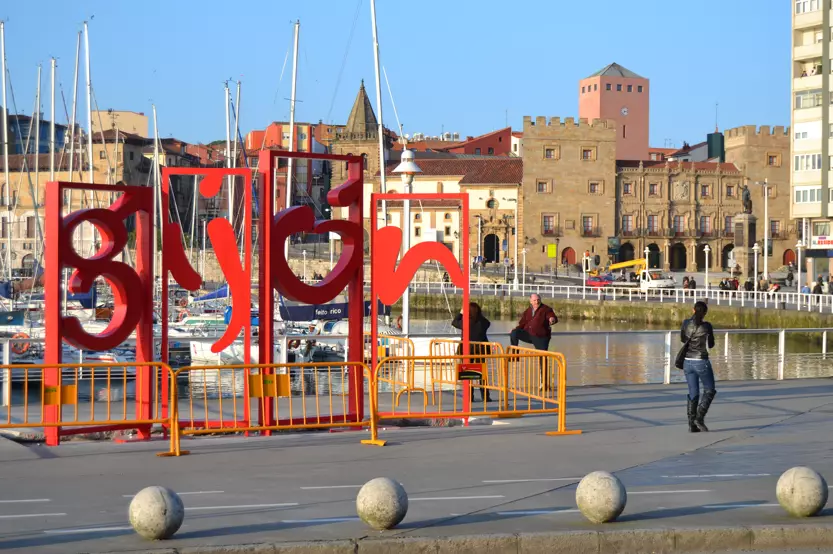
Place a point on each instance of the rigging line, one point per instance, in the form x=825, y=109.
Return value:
x=344, y=61
x=398, y=123
x=445, y=294
x=101, y=134
x=280, y=80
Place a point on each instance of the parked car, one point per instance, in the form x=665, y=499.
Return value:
x=600, y=281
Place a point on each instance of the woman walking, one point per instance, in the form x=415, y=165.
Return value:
x=698, y=337
x=478, y=325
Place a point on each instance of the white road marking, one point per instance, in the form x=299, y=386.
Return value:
x=668, y=492
x=496, y=481
x=536, y=512
x=332, y=487
x=24, y=501
x=456, y=497
x=182, y=493
x=90, y=530
x=322, y=520
x=242, y=506
x=15, y=516
x=740, y=506
x=716, y=475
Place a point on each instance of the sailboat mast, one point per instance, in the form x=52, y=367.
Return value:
x=89, y=103
x=52, y=121
x=74, y=111
x=6, y=154
x=381, y=130
x=228, y=155
x=290, y=166
x=38, y=119
x=157, y=204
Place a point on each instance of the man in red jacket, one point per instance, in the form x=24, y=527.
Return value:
x=534, y=328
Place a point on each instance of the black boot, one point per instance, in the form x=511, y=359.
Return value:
x=703, y=409
x=484, y=395
x=692, y=413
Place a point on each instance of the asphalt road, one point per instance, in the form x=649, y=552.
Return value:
x=501, y=478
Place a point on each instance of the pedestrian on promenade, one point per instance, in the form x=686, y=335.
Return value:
x=478, y=325
x=692, y=284
x=534, y=327
x=697, y=336
x=790, y=278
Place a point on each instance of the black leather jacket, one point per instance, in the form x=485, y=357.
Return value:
x=702, y=339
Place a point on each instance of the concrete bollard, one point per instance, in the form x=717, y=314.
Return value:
x=801, y=491
x=156, y=513
x=601, y=497
x=382, y=503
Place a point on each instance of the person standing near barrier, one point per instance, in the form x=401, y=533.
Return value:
x=697, y=336
x=478, y=325
x=534, y=327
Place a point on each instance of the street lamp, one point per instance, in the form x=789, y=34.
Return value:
x=479, y=242
x=304, y=252
x=584, y=259
x=798, y=246
x=647, y=263
x=765, y=184
x=707, y=249
x=523, y=275
x=756, y=249
x=406, y=169
x=515, y=280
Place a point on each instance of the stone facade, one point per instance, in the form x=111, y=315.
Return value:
x=569, y=189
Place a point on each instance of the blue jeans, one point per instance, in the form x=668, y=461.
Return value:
x=695, y=372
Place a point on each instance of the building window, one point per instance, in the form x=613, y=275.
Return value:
x=477, y=151
x=801, y=135
x=808, y=99
x=491, y=204
x=627, y=224
x=679, y=224
x=417, y=232
x=705, y=224
x=447, y=231
x=728, y=224
x=607, y=87
x=770, y=191
x=582, y=90
x=704, y=191
x=543, y=187
x=491, y=151
x=417, y=217
x=653, y=189
x=515, y=147
x=639, y=88
x=595, y=187
x=285, y=136
x=595, y=87
x=630, y=88
x=447, y=217
x=624, y=131
x=730, y=191
x=547, y=224
x=618, y=88
x=101, y=154
x=388, y=218
x=653, y=223
x=773, y=160
x=5, y=230
x=807, y=6
x=588, y=154
x=821, y=229
x=774, y=228
x=551, y=153
x=807, y=162
x=587, y=224
x=30, y=227
x=627, y=188
x=807, y=195
x=131, y=156
x=302, y=136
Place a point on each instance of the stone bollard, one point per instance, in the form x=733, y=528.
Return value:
x=382, y=503
x=801, y=491
x=601, y=497
x=156, y=513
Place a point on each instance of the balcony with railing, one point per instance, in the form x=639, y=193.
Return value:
x=551, y=231
x=630, y=233
x=657, y=232
x=591, y=231
x=727, y=233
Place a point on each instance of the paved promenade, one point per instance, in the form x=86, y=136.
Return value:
x=486, y=479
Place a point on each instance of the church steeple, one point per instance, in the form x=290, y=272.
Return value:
x=362, y=120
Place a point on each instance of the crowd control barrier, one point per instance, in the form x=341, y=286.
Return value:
x=73, y=398
x=390, y=346
x=264, y=398
x=518, y=382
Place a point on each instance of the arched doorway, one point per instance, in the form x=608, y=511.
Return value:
x=27, y=264
x=700, y=257
x=726, y=257
x=491, y=248
x=626, y=252
x=568, y=256
x=678, y=257
x=789, y=257
x=653, y=256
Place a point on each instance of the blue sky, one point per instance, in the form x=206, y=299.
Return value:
x=458, y=65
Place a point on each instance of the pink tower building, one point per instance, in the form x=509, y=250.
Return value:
x=622, y=95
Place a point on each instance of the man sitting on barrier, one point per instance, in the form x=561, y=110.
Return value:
x=534, y=328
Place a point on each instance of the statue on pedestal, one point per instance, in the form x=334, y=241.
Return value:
x=746, y=196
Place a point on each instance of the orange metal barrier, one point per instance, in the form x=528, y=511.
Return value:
x=400, y=375
x=233, y=398
x=527, y=382
x=443, y=366
x=87, y=397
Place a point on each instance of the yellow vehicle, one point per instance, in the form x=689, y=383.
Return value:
x=638, y=265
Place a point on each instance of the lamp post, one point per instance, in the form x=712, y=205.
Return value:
x=304, y=252
x=523, y=275
x=407, y=169
x=756, y=249
x=515, y=223
x=765, y=185
x=706, y=250
x=479, y=242
x=584, y=259
x=798, y=246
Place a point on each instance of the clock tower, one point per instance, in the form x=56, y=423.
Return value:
x=623, y=96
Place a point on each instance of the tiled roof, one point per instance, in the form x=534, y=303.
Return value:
x=687, y=148
x=681, y=166
x=16, y=161
x=423, y=145
x=475, y=170
x=471, y=140
x=616, y=70
x=518, y=134
x=109, y=135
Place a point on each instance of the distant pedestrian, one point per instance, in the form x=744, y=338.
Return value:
x=534, y=327
x=478, y=325
x=692, y=284
x=790, y=278
x=697, y=336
